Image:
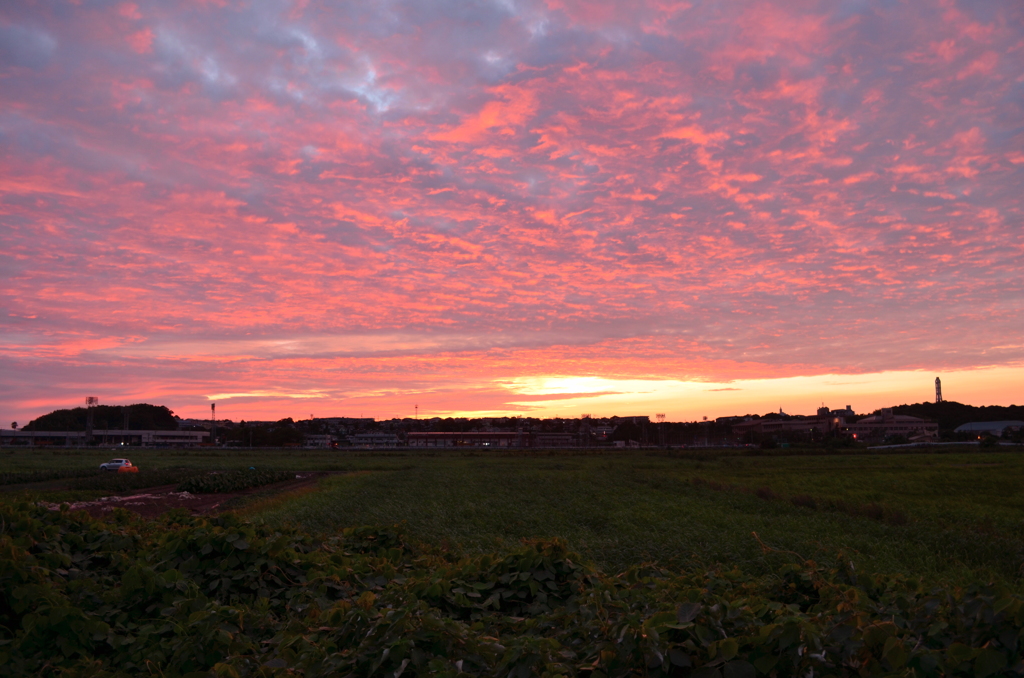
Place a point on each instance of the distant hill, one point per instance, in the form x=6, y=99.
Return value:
x=140, y=416
x=951, y=414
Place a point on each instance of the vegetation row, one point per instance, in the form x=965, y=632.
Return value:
x=187, y=480
x=872, y=510
x=126, y=482
x=232, y=482
x=42, y=475
x=192, y=596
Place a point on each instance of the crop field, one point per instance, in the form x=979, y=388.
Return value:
x=956, y=517
x=13, y=459
x=485, y=563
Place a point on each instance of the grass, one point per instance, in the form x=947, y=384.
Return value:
x=21, y=459
x=952, y=517
x=622, y=510
x=950, y=488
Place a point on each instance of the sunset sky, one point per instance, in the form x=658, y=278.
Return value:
x=536, y=207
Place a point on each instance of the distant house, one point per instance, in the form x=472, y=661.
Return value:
x=992, y=428
x=784, y=424
x=543, y=439
x=320, y=441
x=374, y=439
x=490, y=439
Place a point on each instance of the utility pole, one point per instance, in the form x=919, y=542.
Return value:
x=213, y=424
x=90, y=403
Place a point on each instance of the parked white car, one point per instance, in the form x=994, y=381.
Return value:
x=115, y=465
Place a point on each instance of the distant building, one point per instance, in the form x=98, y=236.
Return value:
x=467, y=439
x=993, y=428
x=318, y=441
x=106, y=437
x=779, y=425
x=841, y=423
x=553, y=440
x=347, y=421
x=491, y=439
x=888, y=424
x=374, y=440
x=639, y=419
x=193, y=423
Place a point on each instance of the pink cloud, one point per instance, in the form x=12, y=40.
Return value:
x=636, y=189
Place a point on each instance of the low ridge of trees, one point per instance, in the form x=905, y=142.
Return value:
x=282, y=433
x=949, y=414
x=141, y=416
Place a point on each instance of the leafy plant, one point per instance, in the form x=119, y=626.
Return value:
x=219, y=596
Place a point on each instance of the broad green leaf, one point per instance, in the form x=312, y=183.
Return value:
x=739, y=668
x=687, y=612
x=989, y=662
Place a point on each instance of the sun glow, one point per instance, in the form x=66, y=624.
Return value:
x=691, y=400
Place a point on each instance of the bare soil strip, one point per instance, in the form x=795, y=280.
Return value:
x=155, y=501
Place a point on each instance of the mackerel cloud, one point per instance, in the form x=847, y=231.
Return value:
x=305, y=197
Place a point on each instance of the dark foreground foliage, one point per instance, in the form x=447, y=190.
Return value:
x=235, y=481
x=190, y=596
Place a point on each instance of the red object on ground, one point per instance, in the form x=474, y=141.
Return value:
x=128, y=469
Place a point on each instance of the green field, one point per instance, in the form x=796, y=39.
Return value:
x=960, y=514
x=846, y=544
x=964, y=512
x=31, y=459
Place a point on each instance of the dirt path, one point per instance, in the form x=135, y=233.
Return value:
x=154, y=501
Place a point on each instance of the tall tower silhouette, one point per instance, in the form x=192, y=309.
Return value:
x=90, y=402
x=938, y=390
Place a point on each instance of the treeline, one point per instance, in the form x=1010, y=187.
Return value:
x=141, y=416
x=950, y=414
x=282, y=433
